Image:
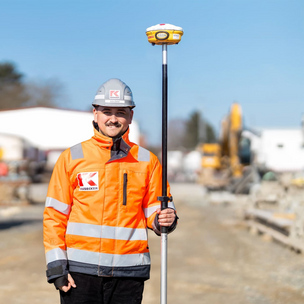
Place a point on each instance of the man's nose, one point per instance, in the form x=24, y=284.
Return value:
x=113, y=118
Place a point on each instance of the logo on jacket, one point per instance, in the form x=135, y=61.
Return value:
x=88, y=181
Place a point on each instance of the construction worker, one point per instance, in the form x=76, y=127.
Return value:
x=101, y=199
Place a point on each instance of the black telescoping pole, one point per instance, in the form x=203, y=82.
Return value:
x=164, y=201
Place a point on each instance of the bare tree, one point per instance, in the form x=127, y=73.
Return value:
x=44, y=93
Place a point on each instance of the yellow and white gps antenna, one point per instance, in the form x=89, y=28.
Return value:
x=164, y=34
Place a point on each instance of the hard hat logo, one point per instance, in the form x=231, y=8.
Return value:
x=114, y=94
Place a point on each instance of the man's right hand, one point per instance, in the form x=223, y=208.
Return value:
x=71, y=283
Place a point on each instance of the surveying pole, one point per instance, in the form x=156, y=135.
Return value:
x=164, y=34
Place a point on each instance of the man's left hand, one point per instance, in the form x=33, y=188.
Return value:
x=166, y=217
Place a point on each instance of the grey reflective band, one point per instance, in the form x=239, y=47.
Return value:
x=57, y=205
x=149, y=211
x=143, y=154
x=76, y=152
x=55, y=255
x=107, y=232
x=106, y=259
x=171, y=205
x=99, y=97
x=114, y=101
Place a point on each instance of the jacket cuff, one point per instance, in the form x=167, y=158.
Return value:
x=174, y=224
x=55, y=270
x=156, y=225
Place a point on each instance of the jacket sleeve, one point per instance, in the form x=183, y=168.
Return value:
x=151, y=203
x=56, y=213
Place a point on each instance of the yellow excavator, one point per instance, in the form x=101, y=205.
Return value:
x=211, y=156
x=223, y=162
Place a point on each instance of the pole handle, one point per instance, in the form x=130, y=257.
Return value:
x=164, y=205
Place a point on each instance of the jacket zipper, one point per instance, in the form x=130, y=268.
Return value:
x=125, y=183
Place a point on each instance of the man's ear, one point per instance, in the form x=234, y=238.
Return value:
x=95, y=114
x=131, y=115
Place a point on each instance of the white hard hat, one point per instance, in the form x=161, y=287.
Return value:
x=114, y=93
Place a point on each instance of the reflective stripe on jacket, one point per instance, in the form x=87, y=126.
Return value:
x=98, y=208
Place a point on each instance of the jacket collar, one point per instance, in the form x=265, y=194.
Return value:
x=107, y=142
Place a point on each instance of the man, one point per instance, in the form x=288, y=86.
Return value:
x=102, y=197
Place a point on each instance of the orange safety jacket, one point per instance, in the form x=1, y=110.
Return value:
x=99, y=205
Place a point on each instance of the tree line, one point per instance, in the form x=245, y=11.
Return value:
x=16, y=93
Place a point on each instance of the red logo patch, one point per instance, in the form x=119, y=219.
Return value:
x=88, y=181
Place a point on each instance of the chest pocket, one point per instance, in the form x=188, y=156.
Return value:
x=133, y=186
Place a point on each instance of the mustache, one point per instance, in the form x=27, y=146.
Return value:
x=115, y=124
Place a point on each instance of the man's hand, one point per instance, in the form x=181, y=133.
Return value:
x=70, y=284
x=166, y=217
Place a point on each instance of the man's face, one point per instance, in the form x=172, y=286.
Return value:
x=112, y=121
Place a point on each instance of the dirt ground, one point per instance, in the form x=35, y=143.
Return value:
x=212, y=258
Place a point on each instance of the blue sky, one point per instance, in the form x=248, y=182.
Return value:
x=246, y=51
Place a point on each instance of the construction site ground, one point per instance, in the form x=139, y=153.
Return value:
x=212, y=257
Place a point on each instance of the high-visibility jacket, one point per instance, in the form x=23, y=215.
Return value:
x=99, y=205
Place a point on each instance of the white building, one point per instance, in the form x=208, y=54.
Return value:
x=279, y=150
x=52, y=130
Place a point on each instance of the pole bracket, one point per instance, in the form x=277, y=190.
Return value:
x=164, y=201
